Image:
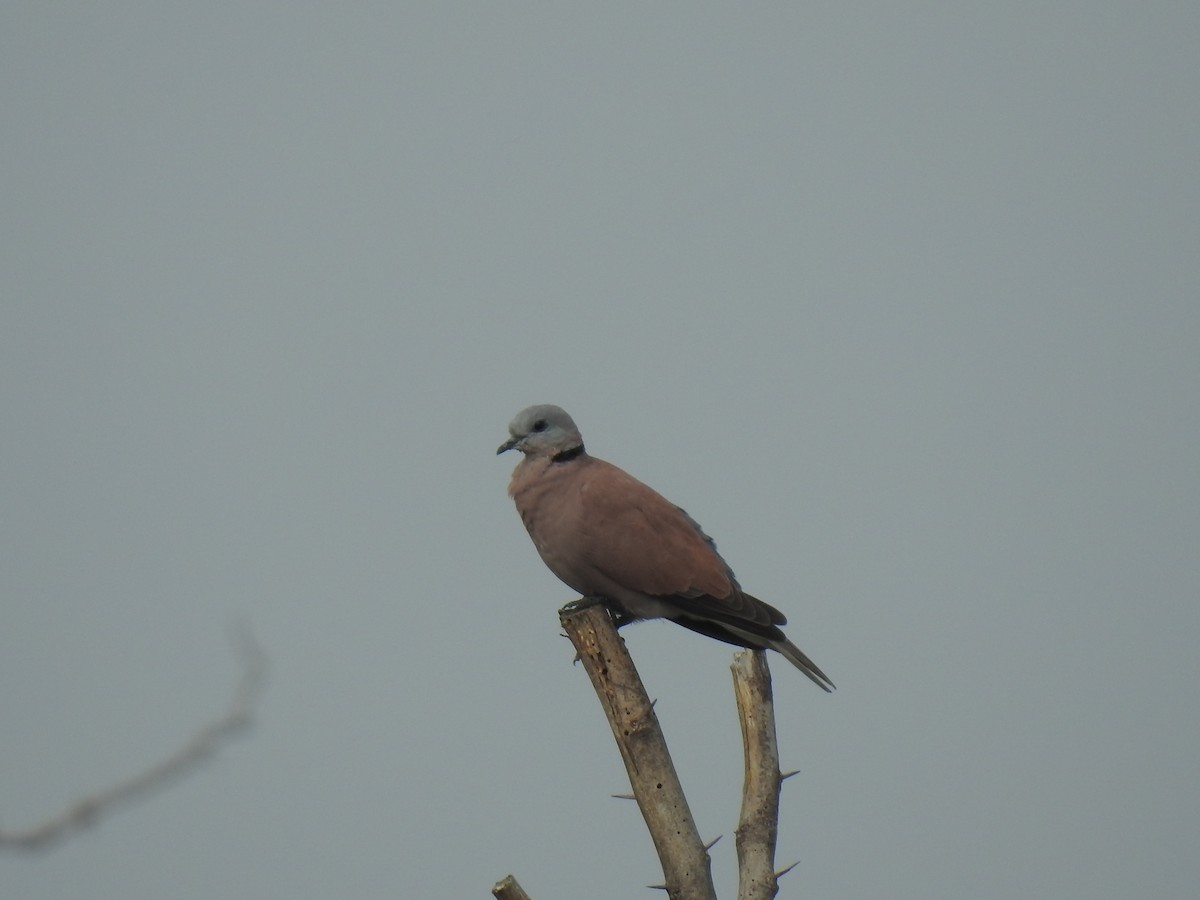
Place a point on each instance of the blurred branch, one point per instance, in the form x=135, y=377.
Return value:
x=508, y=889
x=198, y=748
x=758, y=824
x=685, y=861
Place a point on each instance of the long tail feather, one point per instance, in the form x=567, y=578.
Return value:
x=797, y=658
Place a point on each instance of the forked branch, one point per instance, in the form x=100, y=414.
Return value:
x=684, y=857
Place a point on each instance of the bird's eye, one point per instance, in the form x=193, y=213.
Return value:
x=539, y=425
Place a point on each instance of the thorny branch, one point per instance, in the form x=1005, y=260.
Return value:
x=684, y=857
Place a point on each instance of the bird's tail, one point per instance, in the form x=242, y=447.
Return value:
x=796, y=657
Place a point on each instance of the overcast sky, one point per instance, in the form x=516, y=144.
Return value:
x=900, y=301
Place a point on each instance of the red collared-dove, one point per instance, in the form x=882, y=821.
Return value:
x=619, y=542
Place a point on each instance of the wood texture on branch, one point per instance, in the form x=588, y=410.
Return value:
x=685, y=861
x=508, y=889
x=758, y=824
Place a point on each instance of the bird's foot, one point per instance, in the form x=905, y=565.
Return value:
x=581, y=604
x=619, y=619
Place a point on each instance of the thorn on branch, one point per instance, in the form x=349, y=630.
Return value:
x=784, y=871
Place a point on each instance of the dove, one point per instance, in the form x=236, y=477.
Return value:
x=619, y=542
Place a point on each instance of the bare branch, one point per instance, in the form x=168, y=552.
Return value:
x=199, y=747
x=686, y=866
x=759, y=821
x=508, y=889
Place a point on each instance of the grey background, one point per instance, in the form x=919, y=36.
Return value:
x=898, y=300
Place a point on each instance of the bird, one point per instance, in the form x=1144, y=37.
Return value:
x=619, y=542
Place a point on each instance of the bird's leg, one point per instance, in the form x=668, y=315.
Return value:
x=619, y=619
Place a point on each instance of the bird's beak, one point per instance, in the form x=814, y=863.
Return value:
x=507, y=445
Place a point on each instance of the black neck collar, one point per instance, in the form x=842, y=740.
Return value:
x=568, y=454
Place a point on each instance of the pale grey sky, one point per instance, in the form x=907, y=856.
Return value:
x=898, y=300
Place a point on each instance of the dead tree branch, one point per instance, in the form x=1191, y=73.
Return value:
x=198, y=748
x=508, y=889
x=685, y=862
x=759, y=822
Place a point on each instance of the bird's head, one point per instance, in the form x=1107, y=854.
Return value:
x=543, y=430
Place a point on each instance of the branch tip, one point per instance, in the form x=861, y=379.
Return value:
x=508, y=889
